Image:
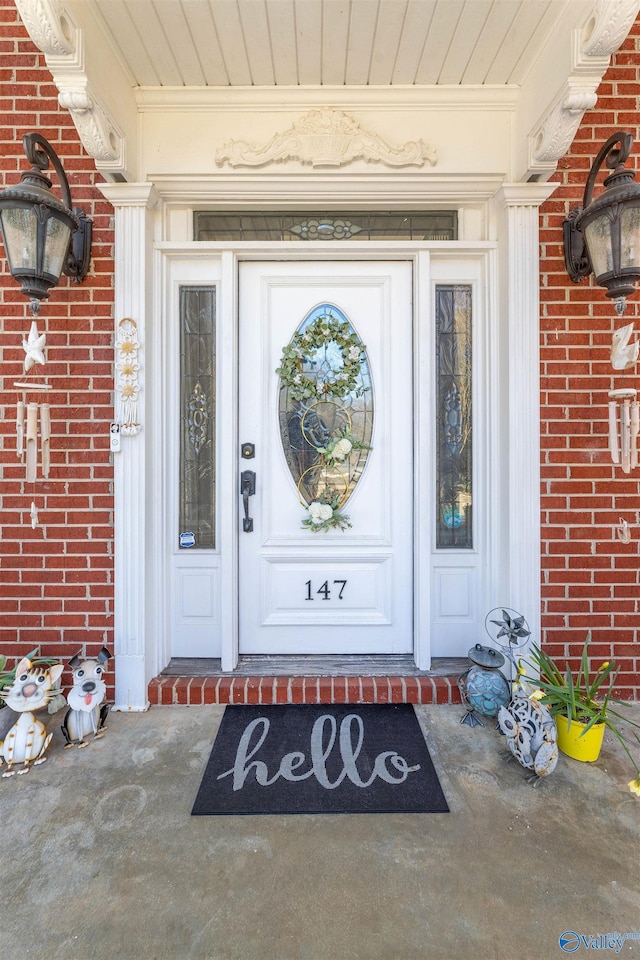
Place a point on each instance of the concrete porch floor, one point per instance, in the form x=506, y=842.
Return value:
x=102, y=860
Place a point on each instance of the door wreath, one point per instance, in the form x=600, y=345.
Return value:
x=334, y=380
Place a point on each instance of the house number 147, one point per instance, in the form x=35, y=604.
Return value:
x=325, y=590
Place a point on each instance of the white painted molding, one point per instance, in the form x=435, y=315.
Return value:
x=398, y=98
x=49, y=26
x=135, y=646
x=555, y=135
x=325, y=138
x=608, y=26
x=100, y=136
x=54, y=32
x=251, y=189
x=592, y=46
x=519, y=209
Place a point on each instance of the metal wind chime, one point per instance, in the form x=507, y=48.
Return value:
x=43, y=237
x=31, y=414
x=624, y=408
x=624, y=427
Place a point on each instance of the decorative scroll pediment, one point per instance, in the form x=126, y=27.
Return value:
x=49, y=26
x=54, y=32
x=601, y=36
x=555, y=135
x=326, y=138
x=610, y=23
x=99, y=136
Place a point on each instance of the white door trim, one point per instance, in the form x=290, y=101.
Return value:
x=228, y=439
x=140, y=641
x=421, y=258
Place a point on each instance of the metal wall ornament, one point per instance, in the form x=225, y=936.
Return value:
x=127, y=347
x=27, y=740
x=603, y=235
x=87, y=714
x=624, y=352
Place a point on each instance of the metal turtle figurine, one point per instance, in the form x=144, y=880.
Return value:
x=483, y=688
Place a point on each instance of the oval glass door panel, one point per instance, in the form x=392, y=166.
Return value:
x=325, y=406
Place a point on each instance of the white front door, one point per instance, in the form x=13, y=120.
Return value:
x=304, y=589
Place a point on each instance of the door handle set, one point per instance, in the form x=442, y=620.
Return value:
x=247, y=489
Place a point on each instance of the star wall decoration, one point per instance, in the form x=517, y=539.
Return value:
x=34, y=347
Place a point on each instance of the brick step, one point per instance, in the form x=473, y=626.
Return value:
x=198, y=690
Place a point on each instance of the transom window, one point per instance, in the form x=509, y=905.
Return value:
x=326, y=225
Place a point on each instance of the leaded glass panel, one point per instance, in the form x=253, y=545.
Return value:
x=326, y=225
x=454, y=526
x=325, y=407
x=197, y=417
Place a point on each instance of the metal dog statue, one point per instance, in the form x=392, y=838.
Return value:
x=86, y=715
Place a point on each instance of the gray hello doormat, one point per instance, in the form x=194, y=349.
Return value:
x=342, y=758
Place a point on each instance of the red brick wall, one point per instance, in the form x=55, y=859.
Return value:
x=56, y=581
x=590, y=580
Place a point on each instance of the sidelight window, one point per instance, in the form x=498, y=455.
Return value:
x=453, y=426
x=197, y=417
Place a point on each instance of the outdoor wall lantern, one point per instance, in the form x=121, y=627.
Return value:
x=603, y=235
x=43, y=235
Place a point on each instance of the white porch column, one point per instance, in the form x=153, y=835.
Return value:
x=518, y=207
x=134, y=649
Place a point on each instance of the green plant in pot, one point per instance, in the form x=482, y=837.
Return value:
x=583, y=706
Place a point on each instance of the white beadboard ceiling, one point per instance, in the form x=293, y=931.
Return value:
x=183, y=43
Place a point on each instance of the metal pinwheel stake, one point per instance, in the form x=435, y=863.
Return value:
x=504, y=622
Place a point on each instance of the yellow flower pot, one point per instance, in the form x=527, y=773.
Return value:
x=574, y=745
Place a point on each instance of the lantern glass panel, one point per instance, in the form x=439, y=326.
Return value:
x=598, y=237
x=57, y=236
x=19, y=229
x=630, y=238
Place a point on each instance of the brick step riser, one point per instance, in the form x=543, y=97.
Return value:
x=196, y=691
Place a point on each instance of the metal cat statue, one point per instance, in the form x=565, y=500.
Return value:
x=27, y=740
x=87, y=715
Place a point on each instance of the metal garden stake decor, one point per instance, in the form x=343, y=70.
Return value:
x=87, y=715
x=484, y=689
x=531, y=734
x=27, y=740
